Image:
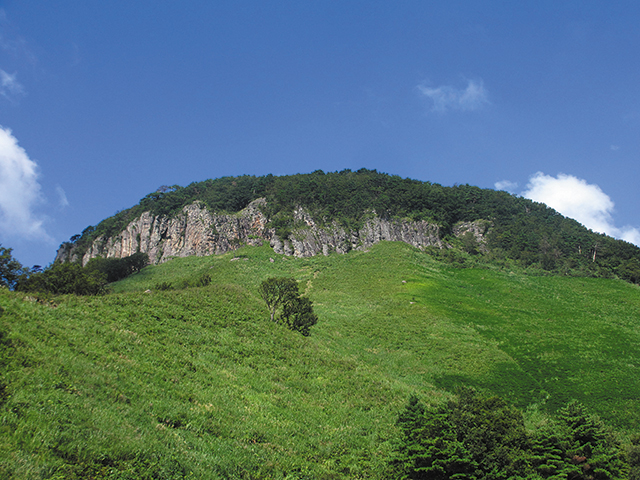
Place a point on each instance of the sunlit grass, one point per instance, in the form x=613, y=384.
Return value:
x=198, y=382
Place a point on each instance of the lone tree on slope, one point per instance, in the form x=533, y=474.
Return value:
x=275, y=291
x=297, y=312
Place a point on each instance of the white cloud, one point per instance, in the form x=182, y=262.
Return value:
x=9, y=86
x=19, y=191
x=506, y=185
x=631, y=235
x=575, y=198
x=62, y=197
x=447, y=97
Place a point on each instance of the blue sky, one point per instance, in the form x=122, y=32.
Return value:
x=103, y=102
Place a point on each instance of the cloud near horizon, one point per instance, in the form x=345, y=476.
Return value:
x=447, y=97
x=506, y=185
x=20, y=191
x=575, y=198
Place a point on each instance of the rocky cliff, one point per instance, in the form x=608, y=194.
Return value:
x=197, y=231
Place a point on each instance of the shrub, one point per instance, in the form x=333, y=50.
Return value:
x=163, y=286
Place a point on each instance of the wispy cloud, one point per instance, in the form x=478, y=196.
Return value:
x=62, y=197
x=12, y=42
x=20, y=191
x=15, y=46
x=575, y=198
x=506, y=185
x=447, y=97
x=10, y=88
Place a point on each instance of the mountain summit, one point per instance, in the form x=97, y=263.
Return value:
x=320, y=213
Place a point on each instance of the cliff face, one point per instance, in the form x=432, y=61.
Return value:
x=196, y=231
x=310, y=239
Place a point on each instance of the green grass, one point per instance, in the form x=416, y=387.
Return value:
x=198, y=383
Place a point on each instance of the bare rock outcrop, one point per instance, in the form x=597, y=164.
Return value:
x=477, y=228
x=197, y=231
x=311, y=240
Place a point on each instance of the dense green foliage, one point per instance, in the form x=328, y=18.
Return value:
x=476, y=437
x=63, y=279
x=275, y=291
x=198, y=383
x=10, y=269
x=521, y=230
x=296, y=312
x=67, y=278
x=118, y=268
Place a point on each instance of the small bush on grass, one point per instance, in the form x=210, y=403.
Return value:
x=163, y=286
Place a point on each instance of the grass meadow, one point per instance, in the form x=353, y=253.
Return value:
x=198, y=383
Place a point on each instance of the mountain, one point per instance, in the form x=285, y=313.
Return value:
x=308, y=214
x=419, y=290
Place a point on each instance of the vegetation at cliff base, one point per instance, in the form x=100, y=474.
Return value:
x=71, y=278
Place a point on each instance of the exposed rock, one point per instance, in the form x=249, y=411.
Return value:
x=196, y=231
x=312, y=240
x=478, y=228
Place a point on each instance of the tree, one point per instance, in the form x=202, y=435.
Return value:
x=65, y=278
x=10, y=268
x=118, y=268
x=297, y=314
x=472, y=437
x=633, y=457
x=476, y=437
x=136, y=262
x=275, y=290
x=296, y=311
x=593, y=447
x=430, y=449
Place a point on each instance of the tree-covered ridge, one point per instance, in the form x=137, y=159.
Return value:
x=529, y=233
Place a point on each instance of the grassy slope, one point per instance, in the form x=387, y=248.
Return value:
x=200, y=381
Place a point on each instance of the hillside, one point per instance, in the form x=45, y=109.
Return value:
x=310, y=214
x=198, y=383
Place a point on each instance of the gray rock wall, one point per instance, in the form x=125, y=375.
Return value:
x=196, y=231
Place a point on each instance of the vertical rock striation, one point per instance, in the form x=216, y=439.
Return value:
x=196, y=231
